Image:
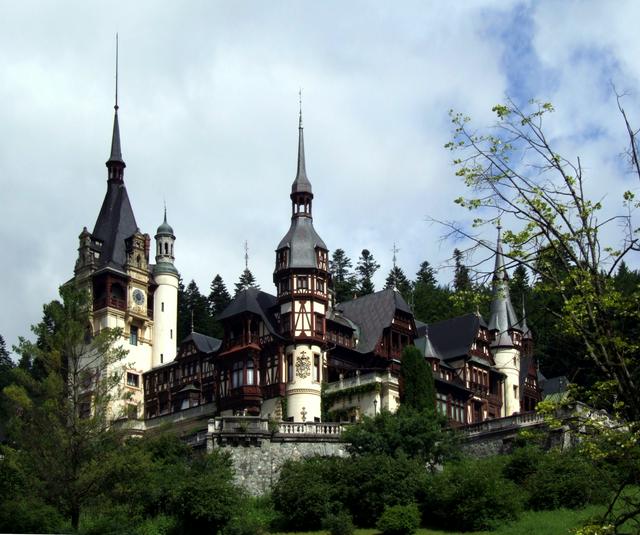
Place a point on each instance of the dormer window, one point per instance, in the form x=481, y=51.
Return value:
x=302, y=283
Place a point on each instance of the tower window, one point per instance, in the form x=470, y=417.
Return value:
x=250, y=372
x=289, y=367
x=161, y=358
x=162, y=306
x=302, y=283
x=166, y=248
x=133, y=336
x=171, y=334
x=316, y=368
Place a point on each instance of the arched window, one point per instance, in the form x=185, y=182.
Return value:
x=166, y=248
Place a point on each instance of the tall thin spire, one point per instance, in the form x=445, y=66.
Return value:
x=301, y=183
x=246, y=255
x=502, y=316
x=394, y=250
x=115, y=163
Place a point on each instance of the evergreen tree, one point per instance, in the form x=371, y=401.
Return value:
x=398, y=280
x=344, y=282
x=219, y=299
x=426, y=275
x=418, y=387
x=461, y=278
x=199, y=308
x=519, y=288
x=247, y=280
x=366, y=268
x=5, y=358
x=184, y=313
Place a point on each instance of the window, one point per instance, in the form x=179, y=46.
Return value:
x=171, y=334
x=162, y=306
x=133, y=336
x=84, y=410
x=250, y=374
x=236, y=376
x=302, y=283
x=272, y=370
x=161, y=358
x=316, y=368
x=319, y=324
x=515, y=391
x=290, y=367
x=133, y=379
x=320, y=286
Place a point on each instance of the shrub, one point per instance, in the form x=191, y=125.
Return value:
x=368, y=483
x=338, y=524
x=523, y=463
x=399, y=520
x=253, y=517
x=565, y=480
x=472, y=495
x=305, y=492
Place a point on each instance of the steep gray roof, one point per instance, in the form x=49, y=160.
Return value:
x=203, y=343
x=452, y=338
x=255, y=301
x=301, y=182
x=373, y=313
x=302, y=240
x=502, y=317
x=114, y=225
x=116, y=150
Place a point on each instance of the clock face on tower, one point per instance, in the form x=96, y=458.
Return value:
x=138, y=297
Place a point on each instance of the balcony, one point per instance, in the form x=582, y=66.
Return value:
x=113, y=302
x=238, y=342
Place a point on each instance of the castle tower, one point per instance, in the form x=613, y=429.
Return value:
x=165, y=297
x=113, y=265
x=302, y=279
x=507, y=337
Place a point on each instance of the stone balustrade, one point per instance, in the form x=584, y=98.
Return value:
x=524, y=419
x=372, y=377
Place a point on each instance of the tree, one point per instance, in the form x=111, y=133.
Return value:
x=519, y=288
x=60, y=422
x=366, y=269
x=219, y=299
x=246, y=281
x=344, y=281
x=426, y=275
x=517, y=175
x=461, y=278
x=397, y=280
x=418, y=387
x=193, y=312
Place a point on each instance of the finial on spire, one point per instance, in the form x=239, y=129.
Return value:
x=165, y=210
x=116, y=106
x=246, y=254
x=300, y=108
x=394, y=250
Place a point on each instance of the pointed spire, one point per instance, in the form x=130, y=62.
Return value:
x=526, y=332
x=301, y=183
x=502, y=317
x=116, y=164
x=246, y=255
x=429, y=349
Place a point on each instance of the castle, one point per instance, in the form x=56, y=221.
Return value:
x=297, y=355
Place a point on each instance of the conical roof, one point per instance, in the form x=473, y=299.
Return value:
x=301, y=183
x=502, y=317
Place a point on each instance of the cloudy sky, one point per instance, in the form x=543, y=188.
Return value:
x=208, y=117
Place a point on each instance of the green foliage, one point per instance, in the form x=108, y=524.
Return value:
x=329, y=398
x=418, y=386
x=523, y=463
x=62, y=450
x=246, y=281
x=398, y=280
x=344, y=281
x=219, y=298
x=254, y=516
x=471, y=495
x=305, y=492
x=399, y=520
x=566, y=480
x=339, y=523
x=419, y=434
x=366, y=269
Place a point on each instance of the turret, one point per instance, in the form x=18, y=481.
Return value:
x=302, y=279
x=165, y=302
x=506, y=344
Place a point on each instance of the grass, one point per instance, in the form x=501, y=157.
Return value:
x=557, y=522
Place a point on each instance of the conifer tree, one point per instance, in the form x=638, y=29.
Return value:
x=461, y=278
x=247, y=280
x=519, y=287
x=344, y=282
x=426, y=275
x=418, y=387
x=398, y=280
x=219, y=298
x=366, y=268
x=5, y=359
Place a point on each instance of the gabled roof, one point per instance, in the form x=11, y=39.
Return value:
x=203, y=343
x=453, y=337
x=373, y=313
x=254, y=301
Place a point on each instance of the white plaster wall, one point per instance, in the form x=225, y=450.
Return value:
x=165, y=322
x=508, y=362
x=303, y=393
